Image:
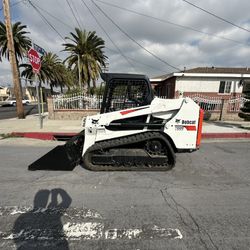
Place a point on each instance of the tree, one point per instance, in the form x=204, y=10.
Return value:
x=13, y=38
x=51, y=71
x=22, y=43
x=245, y=110
x=86, y=55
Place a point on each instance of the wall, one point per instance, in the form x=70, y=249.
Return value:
x=207, y=85
x=71, y=114
x=165, y=88
x=3, y=93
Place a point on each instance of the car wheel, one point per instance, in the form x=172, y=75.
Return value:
x=14, y=104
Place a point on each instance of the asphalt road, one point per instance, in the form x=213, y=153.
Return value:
x=10, y=112
x=203, y=203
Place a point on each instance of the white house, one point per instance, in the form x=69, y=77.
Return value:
x=3, y=93
x=213, y=81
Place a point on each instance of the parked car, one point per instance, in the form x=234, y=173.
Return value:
x=12, y=102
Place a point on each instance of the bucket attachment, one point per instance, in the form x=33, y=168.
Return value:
x=62, y=158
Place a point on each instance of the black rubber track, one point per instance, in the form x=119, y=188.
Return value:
x=127, y=141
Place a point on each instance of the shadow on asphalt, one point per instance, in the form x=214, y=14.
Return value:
x=42, y=228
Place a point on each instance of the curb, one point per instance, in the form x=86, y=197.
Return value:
x=65, y=136
x=225, y=135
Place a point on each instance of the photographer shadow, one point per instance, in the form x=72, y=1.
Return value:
x=42, y=228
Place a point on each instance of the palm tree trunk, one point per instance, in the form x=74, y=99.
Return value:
x=94, y=83
x=51, y=89
x=88, y=81
x=85, y=89
x=21, y=89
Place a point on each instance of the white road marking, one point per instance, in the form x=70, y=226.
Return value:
x=86, y=230
x=113, y=234
x=80, y=212
x=18, y=210
x=93, y=231
x=179, y=234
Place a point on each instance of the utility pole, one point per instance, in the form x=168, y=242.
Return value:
x=13, y=62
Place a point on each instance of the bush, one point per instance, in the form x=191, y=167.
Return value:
x=207, y=116
x=245, y=110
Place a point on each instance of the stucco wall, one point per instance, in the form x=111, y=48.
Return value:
x=71, y=114
x=204, y=85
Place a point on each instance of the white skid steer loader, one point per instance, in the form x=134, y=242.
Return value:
x=134, y=130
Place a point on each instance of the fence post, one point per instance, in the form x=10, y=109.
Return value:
x=224, y=106
x=50, y=108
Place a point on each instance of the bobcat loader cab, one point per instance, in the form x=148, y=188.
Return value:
x=134, y=131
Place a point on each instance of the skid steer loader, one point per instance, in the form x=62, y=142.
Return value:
x=134, y=131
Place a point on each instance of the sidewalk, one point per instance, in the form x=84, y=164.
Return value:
x=30, y=127
x=225, y=129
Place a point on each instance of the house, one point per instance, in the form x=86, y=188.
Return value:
x=208, y=81
x=3, y=93
x=28, y=91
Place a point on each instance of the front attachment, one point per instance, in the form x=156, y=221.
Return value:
x=63, y=158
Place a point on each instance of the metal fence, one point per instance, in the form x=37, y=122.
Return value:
x=76, y=102
x=79, y=101
x=234, y=104
x=208, y=103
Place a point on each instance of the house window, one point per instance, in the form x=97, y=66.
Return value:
x=225, y=87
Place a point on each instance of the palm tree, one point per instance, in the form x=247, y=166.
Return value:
x=86, y=55
x=21, y=42
x=66, y=77
x=21, y=45
x=50, y=72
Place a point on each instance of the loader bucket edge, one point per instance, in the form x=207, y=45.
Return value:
x=63, y=157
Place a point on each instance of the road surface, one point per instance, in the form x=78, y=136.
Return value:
x=203, y=203
x=10, y=112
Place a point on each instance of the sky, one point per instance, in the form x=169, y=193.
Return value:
x=186, y=36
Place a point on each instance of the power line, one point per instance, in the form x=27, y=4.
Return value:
x=147, y=65
x=73, y=14
x=172, y=23
x=77, y=14
x=107, y=34
x=59, y=20
x=56, y=18
x=131, y=38
x=45, y=20
x=216, y=16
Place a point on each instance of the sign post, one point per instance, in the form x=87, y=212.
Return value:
x=35, y=62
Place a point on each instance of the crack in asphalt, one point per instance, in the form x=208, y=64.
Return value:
x=175, y=206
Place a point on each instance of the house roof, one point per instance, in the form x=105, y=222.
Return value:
x=217, y=70
x=207, y=72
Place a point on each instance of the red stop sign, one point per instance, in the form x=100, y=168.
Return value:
x=35, y=60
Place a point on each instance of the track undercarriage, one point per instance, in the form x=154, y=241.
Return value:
x=144, y=151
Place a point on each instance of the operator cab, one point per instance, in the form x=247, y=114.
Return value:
x=124, y=91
